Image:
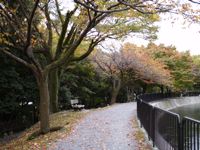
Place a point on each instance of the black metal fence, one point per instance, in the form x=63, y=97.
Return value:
x=157, y=96
x=145, y=113
x=166, y=129
x=191, y=137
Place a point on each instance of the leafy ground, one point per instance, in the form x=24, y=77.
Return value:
x=27, y=141
x=139, y=136
x=109, y=128
x=66, y=120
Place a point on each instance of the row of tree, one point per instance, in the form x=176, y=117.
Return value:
x=47, y=39
x=42, y=37
x=155, y=68
x=104, y=78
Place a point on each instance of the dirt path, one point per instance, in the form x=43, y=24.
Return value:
x=106, y=129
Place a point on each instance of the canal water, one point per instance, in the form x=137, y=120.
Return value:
x=192, y=111
x=192, y=135
x=187, y=107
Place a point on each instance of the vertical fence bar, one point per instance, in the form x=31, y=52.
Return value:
x=164, y=128
x=179, y=135
x=191, y=133
x=153, y=126
x=198, y=136
x=194, y=135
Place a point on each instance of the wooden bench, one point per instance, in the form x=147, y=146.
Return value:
x=75, y=104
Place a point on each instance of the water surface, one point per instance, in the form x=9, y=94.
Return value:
x=192, y=111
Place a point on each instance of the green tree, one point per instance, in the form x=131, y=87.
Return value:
x=83, y=82
x=179, y=63
x=19, y=96
x=44, y=54
x=196, y=71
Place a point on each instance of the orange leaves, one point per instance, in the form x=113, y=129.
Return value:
x=135, y=61
x=179, y=64
x=148, y=69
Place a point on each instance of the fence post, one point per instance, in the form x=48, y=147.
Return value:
x=153, y=125
x=180, y=135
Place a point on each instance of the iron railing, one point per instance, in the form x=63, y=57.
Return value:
x=191, y=137
x=145, y=113
x=149, y=97
x=166, y=129
x=167, y=125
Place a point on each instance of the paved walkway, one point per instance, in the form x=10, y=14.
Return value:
x=106, y=129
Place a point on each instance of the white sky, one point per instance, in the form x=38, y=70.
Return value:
x=183, y=37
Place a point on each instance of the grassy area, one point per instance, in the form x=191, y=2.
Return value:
x=29, y=140
x=139, y=136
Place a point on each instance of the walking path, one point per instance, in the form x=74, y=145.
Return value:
x=106, y=129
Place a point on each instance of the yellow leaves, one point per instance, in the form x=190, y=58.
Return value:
x=3, y=39
x=155, y=17
x=34, y=42
x=82, y=18
x=82, y=48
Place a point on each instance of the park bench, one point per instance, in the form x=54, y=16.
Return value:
x=75, y=104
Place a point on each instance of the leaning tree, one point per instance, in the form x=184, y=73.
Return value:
x=44, y=38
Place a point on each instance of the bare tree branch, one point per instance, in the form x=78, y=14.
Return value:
x=102, y=11
x=49, y=27
x=64, y=31
x=17, y=58
x=28, y=48
x=194, y=1
x=58, y=11
x=137, y=6
x=87, y=53
x=29, y=34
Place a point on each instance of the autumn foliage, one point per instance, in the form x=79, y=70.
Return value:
x=180, y=65
x=132, y=62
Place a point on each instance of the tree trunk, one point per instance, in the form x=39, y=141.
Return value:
x=144, y=88
x=115, y=90
x=44, y=103
x=161, y=89
x=53, y=90
x=128, y=94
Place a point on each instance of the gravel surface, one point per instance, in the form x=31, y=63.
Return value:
x=105, y=129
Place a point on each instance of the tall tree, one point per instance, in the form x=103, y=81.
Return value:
x=179, y=63
x=34, y=36
x=196, y=71
x=132, y=62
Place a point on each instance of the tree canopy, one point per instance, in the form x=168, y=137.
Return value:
x=48, y=39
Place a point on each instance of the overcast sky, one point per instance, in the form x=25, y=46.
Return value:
x=183, y=37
